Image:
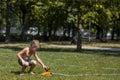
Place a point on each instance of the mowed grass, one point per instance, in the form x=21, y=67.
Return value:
x=65, y=64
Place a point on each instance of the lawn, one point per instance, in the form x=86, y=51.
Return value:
x=65, y=64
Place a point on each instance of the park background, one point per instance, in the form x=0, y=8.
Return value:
x=80, y=39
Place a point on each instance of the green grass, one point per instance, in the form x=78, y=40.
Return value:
x=64, y=61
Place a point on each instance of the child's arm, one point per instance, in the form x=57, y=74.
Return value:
x=40, y=61
x=19, y=55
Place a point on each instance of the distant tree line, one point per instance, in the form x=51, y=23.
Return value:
x=49, y=16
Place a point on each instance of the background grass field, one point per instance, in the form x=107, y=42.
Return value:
x=71, y=65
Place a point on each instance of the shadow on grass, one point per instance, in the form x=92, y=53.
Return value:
x=57, y=49
x=84, y=51
x=102, y=52
x=15, y=72
x=15, y=48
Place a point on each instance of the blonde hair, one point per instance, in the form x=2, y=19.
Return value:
x=35, y=43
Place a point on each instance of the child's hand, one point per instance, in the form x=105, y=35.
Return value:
x=46, y=68
x=25, y=63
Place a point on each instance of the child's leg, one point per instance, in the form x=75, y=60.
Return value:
x=23, y=69
x=32, y=65
x=23, y=66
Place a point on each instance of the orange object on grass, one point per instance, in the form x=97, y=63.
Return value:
x=46, y=74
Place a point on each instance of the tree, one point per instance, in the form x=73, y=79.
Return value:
x=79, y=40
x=67, y=15
x=8, y=24
x=2, y=14
x=23, y=9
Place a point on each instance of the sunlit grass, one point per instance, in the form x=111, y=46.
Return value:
x=63, y=61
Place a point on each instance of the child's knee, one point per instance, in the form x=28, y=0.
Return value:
x=26, y=65
x=33, y=62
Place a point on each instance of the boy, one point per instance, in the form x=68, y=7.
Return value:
x=25, y=54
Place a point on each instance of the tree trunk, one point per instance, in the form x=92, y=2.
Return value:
x=54, y=32
x=8, y=25
x=23, y=27
x=38, y=32
x=113, y=33
x=118, y=34
x=64, y=32
x=45, y=38
x=50, y=29
x=117, y=30
x=98, y=32
x=79, y=38
x=24, y=11
x=73, y=30
x=79, y=41
x=69, y=27
x=104, y=37
x=73, y=41
x=0, y=24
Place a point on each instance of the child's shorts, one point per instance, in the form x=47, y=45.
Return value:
x=28, y=60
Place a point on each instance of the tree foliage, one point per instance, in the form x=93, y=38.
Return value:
x=52, y=15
